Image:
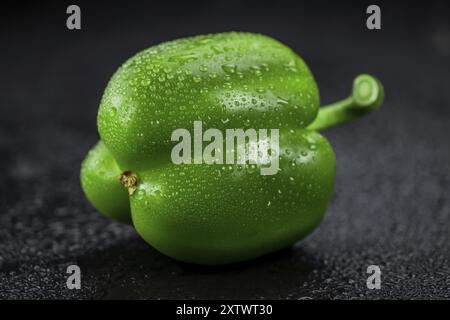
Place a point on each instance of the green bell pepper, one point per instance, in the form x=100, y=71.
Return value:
x=217, y=213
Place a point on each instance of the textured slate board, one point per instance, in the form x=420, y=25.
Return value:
x=391, y=202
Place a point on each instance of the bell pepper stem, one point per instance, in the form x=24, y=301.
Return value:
x=367, y=95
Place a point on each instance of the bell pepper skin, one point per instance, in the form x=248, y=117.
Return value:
x=99, y=180
x=228, y=80
x=217, y=213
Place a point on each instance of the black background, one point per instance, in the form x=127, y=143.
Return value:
x=391, y=201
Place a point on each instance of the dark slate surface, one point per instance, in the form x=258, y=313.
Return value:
x=391, y=202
